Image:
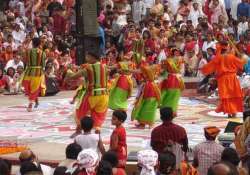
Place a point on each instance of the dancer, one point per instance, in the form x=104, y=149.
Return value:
x=121, y=88
x=173, y=84
x=95, y=99
x=34, y=80
x=226, y=65
x=148, y=99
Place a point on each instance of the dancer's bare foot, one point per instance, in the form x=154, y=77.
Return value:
x=140, y=126
x=29, y=108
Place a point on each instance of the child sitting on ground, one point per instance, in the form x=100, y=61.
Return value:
x=118, y=142
x=87, y=139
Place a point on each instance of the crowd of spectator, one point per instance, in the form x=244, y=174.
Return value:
x=193, y=27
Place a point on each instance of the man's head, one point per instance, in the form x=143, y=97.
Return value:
x=166, y=114
x=222, y=168
x=167, y=161
x=110, y=157
x=36, y=42
x=230, y=155
x=27, y=155
x=211, y=132
x=4, y=168
x=72, y=151
x=10, y=38
x=195, y=5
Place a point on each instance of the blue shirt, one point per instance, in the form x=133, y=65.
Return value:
x=228, y=4
x=101, y=34
x=243, y=9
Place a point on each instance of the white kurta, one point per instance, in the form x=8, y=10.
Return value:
x=138, y=9
x=194, y=15
x=234, y=8
x=174, y=5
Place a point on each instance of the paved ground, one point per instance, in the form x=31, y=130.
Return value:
x=47, y=129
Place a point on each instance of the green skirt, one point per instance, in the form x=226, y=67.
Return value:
x=118, y=99
x=145, y=113
x=170, y=98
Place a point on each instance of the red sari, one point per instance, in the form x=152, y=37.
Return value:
x=121, y=150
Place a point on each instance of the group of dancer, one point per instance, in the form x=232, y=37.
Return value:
x=160, y=84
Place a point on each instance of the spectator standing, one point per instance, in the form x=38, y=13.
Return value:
x=209, y=152
x=138, y=10
x=168, y=133
x=243, y=9
x=148, y=4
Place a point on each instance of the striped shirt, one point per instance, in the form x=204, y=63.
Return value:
x=207, y=153
x=36, y=62
x=96, y=78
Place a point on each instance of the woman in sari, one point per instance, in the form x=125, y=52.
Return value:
x=173, y=84
x=217, y=10
x=148, y=99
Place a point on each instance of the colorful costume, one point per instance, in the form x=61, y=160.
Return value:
x=121, y=89
x=34, y=79
x=172, y=86
x=148, y=99
x=95, y=99
x=226, y=67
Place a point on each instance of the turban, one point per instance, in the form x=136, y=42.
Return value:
x=88, y=159
x=212, y=131
x=147, y=159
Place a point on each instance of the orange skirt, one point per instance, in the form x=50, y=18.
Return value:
x=230, y=105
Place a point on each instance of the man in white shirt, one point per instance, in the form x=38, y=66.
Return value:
x=18, y=35
x=195, y=13
x=138, y=10
x=148, y=5
x=173, y=5
x=15, y=62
